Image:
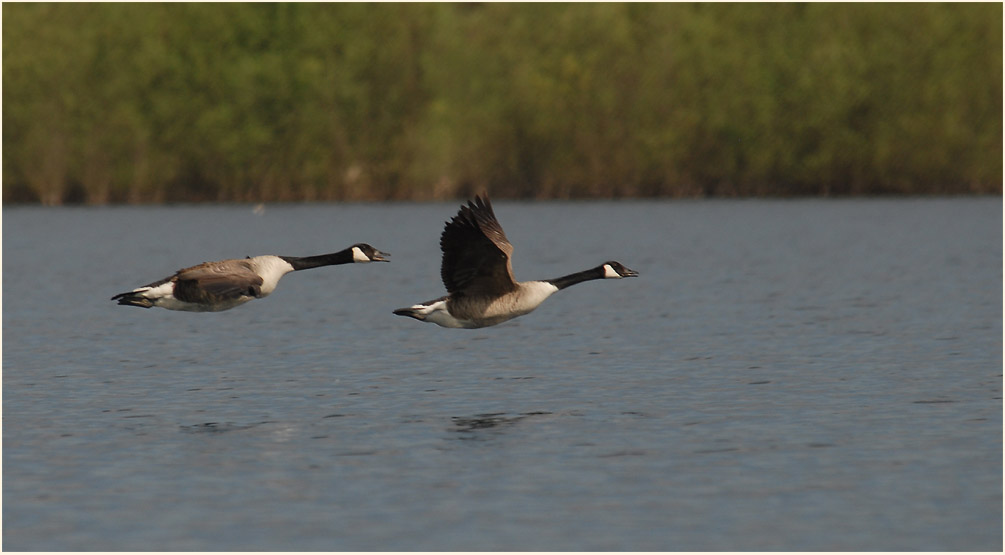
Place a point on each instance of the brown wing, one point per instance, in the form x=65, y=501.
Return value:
x=476, y=253
x=217, y=281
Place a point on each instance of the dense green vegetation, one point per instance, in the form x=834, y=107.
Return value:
x=248, y=102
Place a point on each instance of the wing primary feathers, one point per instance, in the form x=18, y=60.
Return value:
x=476, y=253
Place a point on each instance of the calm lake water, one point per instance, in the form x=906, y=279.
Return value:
x=784, y=375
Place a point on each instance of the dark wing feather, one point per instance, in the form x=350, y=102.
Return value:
x=476, y=253
x=217, y=281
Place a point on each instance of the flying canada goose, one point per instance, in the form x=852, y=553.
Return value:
x=478, y=274
x=215, y=286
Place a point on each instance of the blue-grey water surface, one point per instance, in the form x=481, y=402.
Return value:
x=784, y=375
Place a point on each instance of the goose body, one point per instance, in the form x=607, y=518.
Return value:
x=222, y=285
x=478, y=274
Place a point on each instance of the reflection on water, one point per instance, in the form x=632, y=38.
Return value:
x=219, y=427
x=786, y=375
x=467, y=425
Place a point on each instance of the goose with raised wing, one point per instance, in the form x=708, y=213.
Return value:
x=477, y=272
x=222, y=285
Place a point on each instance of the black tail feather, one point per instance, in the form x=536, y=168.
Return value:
x=132, y=299
x=410, y=312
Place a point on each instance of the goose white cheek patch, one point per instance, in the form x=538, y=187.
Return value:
x=609, y=272
x=358, y=256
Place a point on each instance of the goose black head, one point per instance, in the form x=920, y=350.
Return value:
x=616, y=270
x=362, y=253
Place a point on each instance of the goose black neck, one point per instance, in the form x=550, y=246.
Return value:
x=307, y=262
x=578, y=277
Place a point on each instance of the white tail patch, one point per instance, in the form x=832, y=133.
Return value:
x=438, y=314
x=164, y=290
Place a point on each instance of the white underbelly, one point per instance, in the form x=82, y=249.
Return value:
x=171, y=303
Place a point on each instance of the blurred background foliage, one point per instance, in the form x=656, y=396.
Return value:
x=287, y=102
